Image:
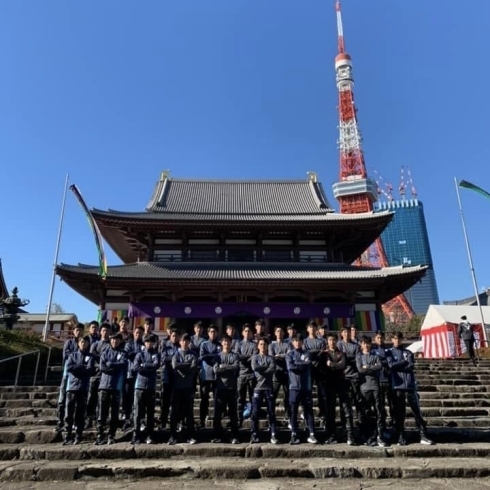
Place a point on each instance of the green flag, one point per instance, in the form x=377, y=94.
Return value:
x=473, y=187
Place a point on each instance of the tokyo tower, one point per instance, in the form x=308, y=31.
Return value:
x=355, y=191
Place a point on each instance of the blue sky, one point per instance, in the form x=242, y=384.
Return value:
x=115, y=91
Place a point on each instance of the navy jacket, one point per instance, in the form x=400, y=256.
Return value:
x=96, y=350
x=146, y=365
x=263, y=367
x=401, y=367
x=207, y=355
x=184, y=365
x=245, y=349
x=132, y=348
x=278, y=351
x=196, y=344
x=369, y=376
x=93, y=338
x=350, y=349
x=80, y=366
x=299, y=369
x=226, y=371
x=168, y=352
x=334, y=374
x=314, y=347
x=113, y=365
x=384, y=374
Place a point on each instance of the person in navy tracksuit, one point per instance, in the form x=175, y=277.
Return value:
x=169, y=348
x=225, y=397
x=113, y=365
x=278, y=349
x=379, y=348
x=132, y=347
x=300, y=390
x=79, y=366
x=263, y=365
x=145, y=366
x=184, y=364
x=207, y=357
x=96, y=350
x=245, y=349
x=315, y=346
x=404, y=389
x=70, y=346
x=369, y=366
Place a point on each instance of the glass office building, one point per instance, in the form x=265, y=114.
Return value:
x=406, y=242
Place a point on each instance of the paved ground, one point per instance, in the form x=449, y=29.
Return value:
x=264, y=484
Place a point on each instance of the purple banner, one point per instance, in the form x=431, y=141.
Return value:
x=260, y=310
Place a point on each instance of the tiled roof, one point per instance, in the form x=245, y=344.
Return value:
x=328, y=217
x=229, y=271
x=221, y=197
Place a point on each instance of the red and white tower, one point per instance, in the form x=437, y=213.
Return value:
x=355, y=191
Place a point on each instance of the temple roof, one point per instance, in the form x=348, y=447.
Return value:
x=217, y=197
x=232, y=200
x=241, y=271
x=151, y=274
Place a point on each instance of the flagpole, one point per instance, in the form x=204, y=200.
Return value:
x=470, y=260
x=56, y=253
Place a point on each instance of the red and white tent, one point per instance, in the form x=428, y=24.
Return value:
x=439, y=331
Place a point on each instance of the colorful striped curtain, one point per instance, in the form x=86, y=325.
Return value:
x=365, y=321
x=160, y=323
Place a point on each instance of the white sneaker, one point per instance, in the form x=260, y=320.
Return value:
x=274, y=439
x=191, y=441
x=312, y=439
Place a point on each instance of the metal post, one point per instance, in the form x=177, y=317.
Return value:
x=18, y=372
x=37, y=367
x=56, y=253
x=47, y=365
x=472, y=268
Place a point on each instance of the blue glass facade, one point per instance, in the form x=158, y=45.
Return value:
x=406, y=242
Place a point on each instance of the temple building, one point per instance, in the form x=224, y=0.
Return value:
x=234, y=251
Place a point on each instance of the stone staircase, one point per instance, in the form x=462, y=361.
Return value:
x=455, y=400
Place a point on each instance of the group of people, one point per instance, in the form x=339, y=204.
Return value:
x=111, y=375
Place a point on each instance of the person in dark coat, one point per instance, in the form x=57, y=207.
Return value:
x=184, y=364
x=466, y=334
x=113, y=366
x=145, y=366
x=79, y=366
x=404, y=389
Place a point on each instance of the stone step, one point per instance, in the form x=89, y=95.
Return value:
x=88, y=451
x=208, y=469
x=46, y=435
x=449, y=388
x=427, y=412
